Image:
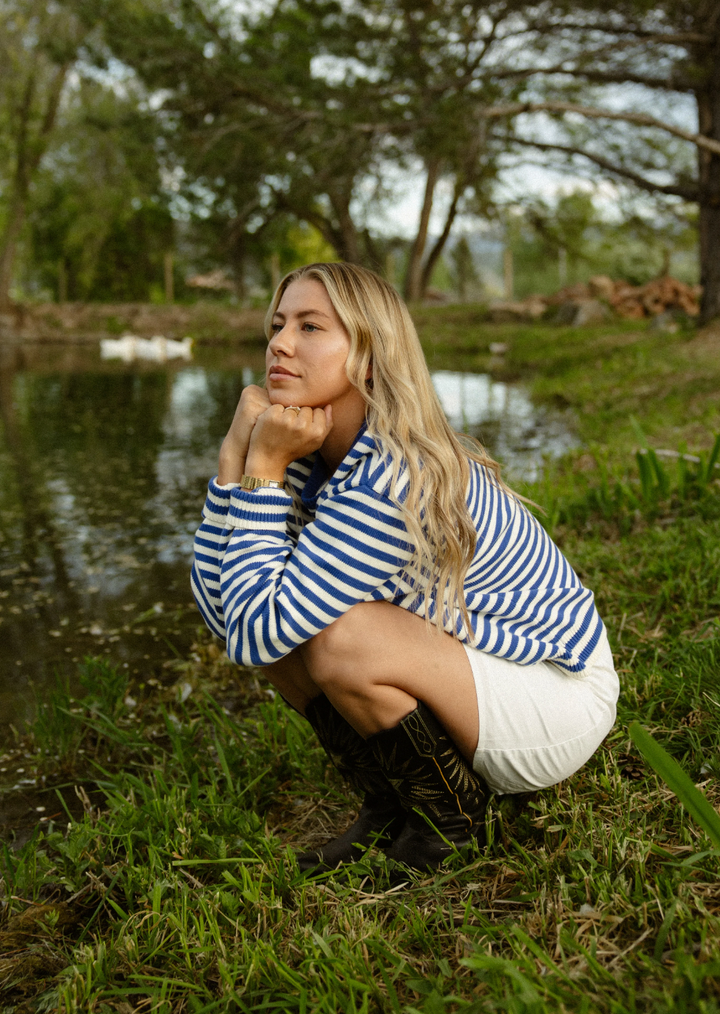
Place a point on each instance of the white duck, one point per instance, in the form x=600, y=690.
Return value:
x=158, y=348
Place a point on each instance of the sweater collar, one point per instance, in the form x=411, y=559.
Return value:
x=320, y=476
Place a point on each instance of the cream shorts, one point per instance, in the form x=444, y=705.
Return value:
x=539, y=724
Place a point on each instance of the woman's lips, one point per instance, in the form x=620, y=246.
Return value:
x=278, y=372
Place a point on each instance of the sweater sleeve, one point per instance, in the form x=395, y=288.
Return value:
x=276, y=593
x=211, y=540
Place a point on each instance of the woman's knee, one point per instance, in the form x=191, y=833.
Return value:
x=334, y=657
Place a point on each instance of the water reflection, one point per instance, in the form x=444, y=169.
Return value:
x=516, y=432
x=103, y=469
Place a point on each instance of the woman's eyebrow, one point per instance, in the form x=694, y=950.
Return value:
x=303, y=313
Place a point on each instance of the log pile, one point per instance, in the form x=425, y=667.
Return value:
x=632, y=302
x=600, y=298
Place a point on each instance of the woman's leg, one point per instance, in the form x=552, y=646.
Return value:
x=377, y=660
x=374, y=663
x=408, y=692
x=289, y=676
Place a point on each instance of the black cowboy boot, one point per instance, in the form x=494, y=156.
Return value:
x=381, y=816
x=436, y=785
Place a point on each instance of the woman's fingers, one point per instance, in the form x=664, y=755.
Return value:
x=294, y=425
x=283, y=434
x=253, y=402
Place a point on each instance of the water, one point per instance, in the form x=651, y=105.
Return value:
x=516, y=432
x=103, y=468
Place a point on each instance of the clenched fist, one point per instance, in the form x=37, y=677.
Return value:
x=282, y=435
x=253, y=402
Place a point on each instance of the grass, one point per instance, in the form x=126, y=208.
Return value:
x=176, y=889
x=605, y=375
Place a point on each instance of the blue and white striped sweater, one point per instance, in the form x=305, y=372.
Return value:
x=272, y=570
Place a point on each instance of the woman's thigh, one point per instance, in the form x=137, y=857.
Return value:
x=377, y=660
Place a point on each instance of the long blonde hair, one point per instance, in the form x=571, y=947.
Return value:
x=404, y=415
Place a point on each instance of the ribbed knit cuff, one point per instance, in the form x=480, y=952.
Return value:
x=263, y=509
x=217, y=502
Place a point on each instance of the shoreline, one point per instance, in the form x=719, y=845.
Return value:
x=88, y=323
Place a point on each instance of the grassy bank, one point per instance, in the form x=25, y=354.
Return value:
x=176, y=889
x=604, y=375
x=206, y=322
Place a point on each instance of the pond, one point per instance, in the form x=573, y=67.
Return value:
x=103, y=468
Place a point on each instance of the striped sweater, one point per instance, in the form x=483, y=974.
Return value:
x=272, y=570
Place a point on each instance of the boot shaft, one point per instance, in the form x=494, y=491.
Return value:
x=427, y=771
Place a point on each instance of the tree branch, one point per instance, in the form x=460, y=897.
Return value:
x=641, y=119
x=687, y=193
x=605, y=77
x=669, y=38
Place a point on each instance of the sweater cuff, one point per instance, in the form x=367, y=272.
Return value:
x=262, y=509
x=217, y=502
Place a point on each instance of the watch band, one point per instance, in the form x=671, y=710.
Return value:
x=252, y=482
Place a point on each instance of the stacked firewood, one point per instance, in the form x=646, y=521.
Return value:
x=661, y=295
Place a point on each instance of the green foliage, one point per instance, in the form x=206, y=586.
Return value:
x=686, y=487
x=215, y=129
x=561, y=242
x=674, y=777
x=100, y=223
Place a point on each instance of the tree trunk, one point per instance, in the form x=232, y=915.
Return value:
x=708, y=100
x=413, y=279
x=8, y=246
x=28, y=156
x=439, y=245
x=349, y=246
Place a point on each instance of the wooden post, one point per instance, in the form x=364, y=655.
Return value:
x=169, y=280
x=508, y=273
x=274, y=270
x=62, y=281
x=390, y=267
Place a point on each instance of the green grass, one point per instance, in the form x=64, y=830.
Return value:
x=177, y=889
x=604, y=375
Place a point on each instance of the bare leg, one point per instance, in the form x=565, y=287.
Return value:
x=374, y=663
x=290, y=676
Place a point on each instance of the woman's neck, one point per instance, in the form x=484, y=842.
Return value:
x=347, y=420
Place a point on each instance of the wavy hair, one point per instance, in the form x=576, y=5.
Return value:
x=430, y=462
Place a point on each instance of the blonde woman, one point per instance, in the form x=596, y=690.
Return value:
x=398, y=594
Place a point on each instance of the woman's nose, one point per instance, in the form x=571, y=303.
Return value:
x=281, y=341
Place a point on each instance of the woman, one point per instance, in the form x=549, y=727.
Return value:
x=397, y=593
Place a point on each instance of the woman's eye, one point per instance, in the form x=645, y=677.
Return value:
x=310, y=327
x=274, y=328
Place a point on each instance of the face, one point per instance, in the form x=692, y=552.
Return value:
x=306, y=355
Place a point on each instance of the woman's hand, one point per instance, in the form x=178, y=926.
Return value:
x=253, y=402
x=282, y=435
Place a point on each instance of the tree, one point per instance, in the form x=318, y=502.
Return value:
x=99, y=223
x=38, y=46
x=237, y=106
x=303, y=107
x=662, y=51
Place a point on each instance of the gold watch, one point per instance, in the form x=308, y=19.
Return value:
x=252, y=482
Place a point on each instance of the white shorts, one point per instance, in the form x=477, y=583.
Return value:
x=539, y=724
